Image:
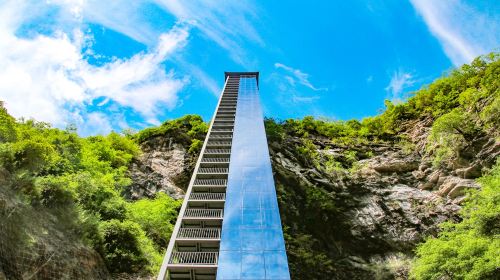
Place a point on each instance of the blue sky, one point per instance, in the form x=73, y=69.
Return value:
x=112, y=65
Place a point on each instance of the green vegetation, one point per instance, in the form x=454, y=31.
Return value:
x=78, y=181
x=469, y=249
x=155, y=216
x=185, y=130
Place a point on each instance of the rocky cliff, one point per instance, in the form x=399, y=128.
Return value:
x=357, y=197
x=364, y=223
x=164, y=165
x=359, y=220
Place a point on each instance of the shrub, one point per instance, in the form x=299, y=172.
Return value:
x=125, y=247
x=183, y=129
x=195, y=146
x=274, y=130
x=156, y=216
x=468, y=249
x=450, y=133
x=53, y=193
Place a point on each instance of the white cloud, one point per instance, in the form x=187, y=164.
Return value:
x=400, y=80
x=463, y=31
x=227, y=23
x=95, y=123
x=122, y=16
x=291, y=83
x=297, y=77
x=304, y=99
x=216, y=22
x=47, y=78
x=139, y=82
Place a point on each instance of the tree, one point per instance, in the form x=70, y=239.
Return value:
x=469, y=249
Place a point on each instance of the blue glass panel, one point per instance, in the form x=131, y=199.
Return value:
x=276, y=265
x=232, y=218
x=252, y=266
x=269, y=199
x=252, y=239
x=229, y=265
x=252, y=218
x=251, y=200
x=273, y=239
x=272, y=218
x=230, y=239
x=234, y=201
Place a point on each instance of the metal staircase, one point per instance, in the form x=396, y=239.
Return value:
x=193, y=250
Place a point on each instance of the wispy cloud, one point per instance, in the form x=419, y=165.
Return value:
x=294, y=87
x=229, y=24
x=46, y=77
x=463, y=31
x=400, y=81
x=121, y=16
x=304, y=99
x=297, y=76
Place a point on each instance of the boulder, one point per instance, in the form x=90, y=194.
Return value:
x=453, y=187
x=470, y=172
x=388, y=165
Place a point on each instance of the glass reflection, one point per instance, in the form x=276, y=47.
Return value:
x=252, y=244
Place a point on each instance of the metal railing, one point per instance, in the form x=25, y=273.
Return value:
x=199, y=233
x=228, y=125
x=227, y=136
x=194, y=258
x=225, y=119
x=219, y=122
x=219, y=143
x=216, y=170
x=207, y=196
x=210, y=182
x=217, y=129
x=203, y=213
x=215, y=160
x=217, y=151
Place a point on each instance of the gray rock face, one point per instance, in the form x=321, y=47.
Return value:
x=359, y=220
x=375, y=215
x=164, y=166
x=390, y=165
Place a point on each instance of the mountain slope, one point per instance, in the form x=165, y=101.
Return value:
x=358, y=199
